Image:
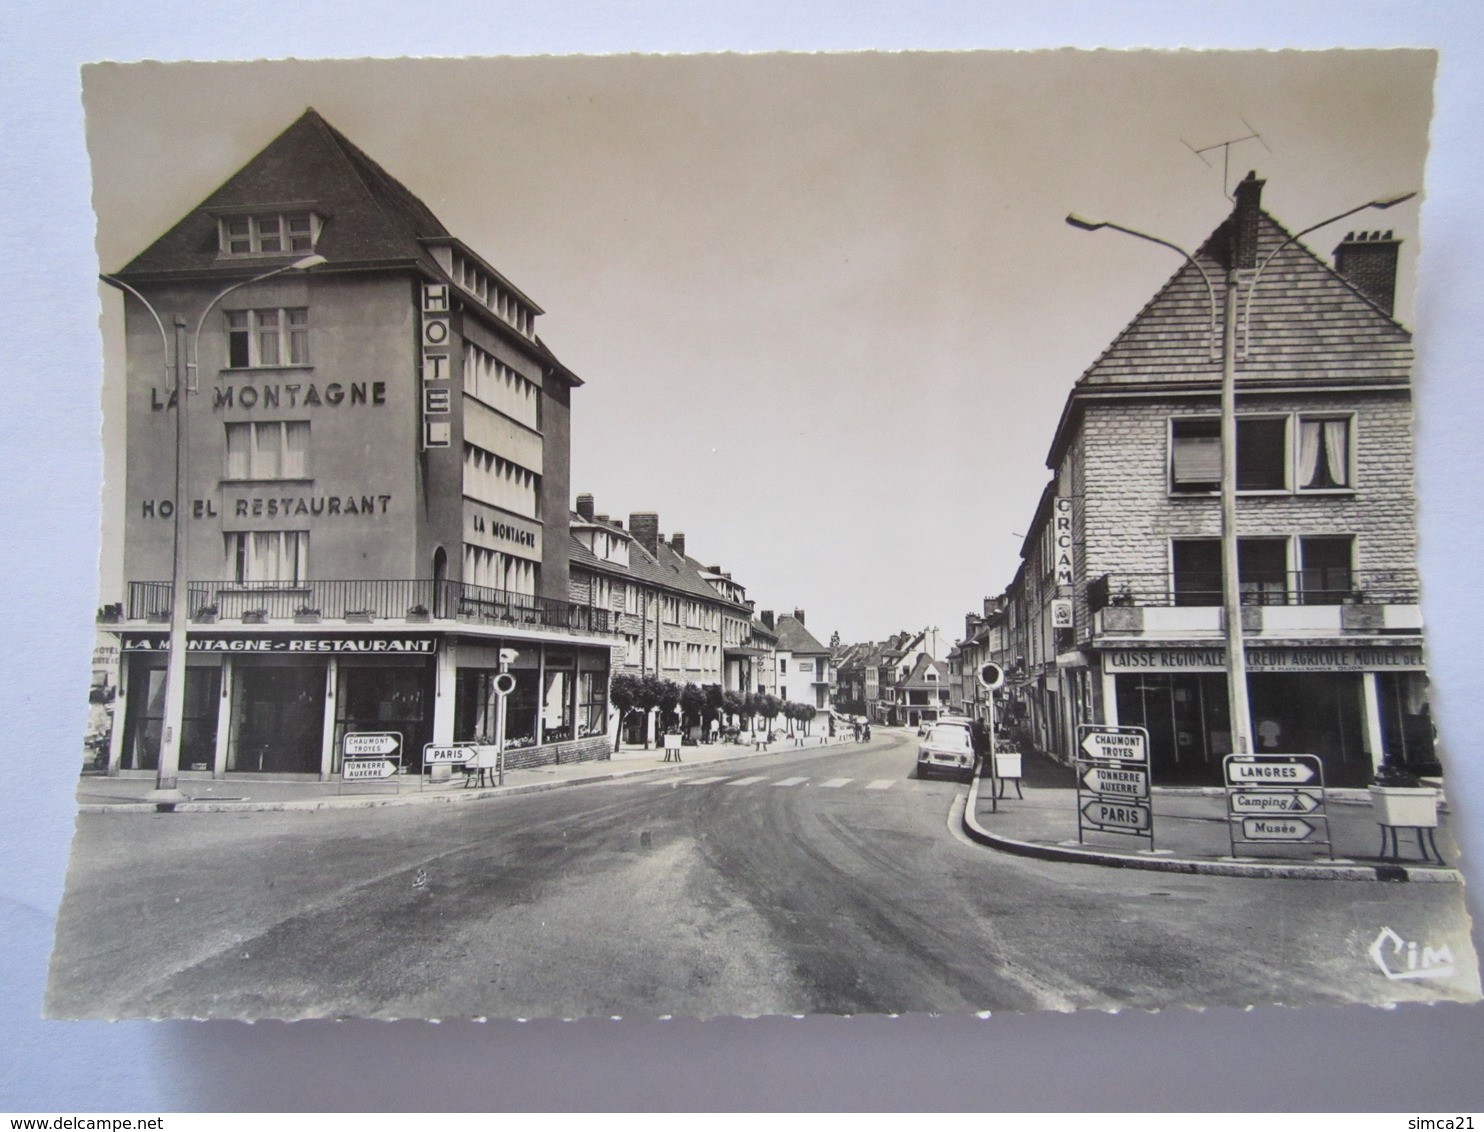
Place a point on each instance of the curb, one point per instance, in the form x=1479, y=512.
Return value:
x=422, y=798
x=1386, y=872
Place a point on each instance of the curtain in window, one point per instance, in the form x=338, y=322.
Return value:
x=1308, y=459
x=239, y=445
x=1337, y=451
x=276, y=556
x=267, y=337
x=295, y=450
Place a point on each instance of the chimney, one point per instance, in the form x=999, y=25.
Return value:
x=989, y=607
x=1367, y=261
x=645, y=526
x=677, y=543
x=766, y=617
x=585, y=507
x=799, y=616
x=616, y=522
x=1245, y=222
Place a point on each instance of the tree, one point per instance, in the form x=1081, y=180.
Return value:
x=768, y=707
x=667, y=698
x=806, y=713
x=714, y=702
x=623, y=694
x=692, y=704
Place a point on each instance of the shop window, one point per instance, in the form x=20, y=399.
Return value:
x=146, y=718
x=476, y=707
x=1323, y=462
x=557, y=698
x=592, y=702
x=1195, y=454
x=266, y=338
x=1406, y=721
x=269, y=556
x=267, y=450
x=386, y=698
x=279, y=233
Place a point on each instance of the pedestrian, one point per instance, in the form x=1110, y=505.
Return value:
x=715, y=728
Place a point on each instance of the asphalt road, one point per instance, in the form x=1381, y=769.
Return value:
x=799, y=882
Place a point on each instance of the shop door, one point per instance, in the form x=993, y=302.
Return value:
x=279, y=724
x=145, y=722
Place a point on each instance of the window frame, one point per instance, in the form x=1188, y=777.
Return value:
x=1351, y=468
x=291, y=337
x=254, y=428
x=237, y=558
x=1288, y=448
x=257, y=234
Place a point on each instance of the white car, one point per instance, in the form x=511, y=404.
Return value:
x=946, y=749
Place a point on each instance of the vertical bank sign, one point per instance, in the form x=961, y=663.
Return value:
x=437, y=393
x=1061, y=526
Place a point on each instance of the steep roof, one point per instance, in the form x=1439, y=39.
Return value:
x=917, y=678
x=1306, y=321
x=794, y=638
x=369, y=216
x=665, y=569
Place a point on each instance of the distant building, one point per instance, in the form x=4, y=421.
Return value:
x=803, y=664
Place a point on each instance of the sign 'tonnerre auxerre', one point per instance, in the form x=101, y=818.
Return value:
x=1113, y=781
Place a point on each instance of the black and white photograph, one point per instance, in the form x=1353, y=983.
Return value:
x=722, y=535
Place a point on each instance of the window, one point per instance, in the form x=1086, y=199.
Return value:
x=269, y=556
x=278, y=233
x=1324, y=569
x=1323, y=462
x=782, y=666
x=1195, y=454
x=267, y=450
x=265, y=338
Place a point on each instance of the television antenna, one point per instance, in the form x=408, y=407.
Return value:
x=1226, y=152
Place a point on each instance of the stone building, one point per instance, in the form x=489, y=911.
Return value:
x=1117, y=608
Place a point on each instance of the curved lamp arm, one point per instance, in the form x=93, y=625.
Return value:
x=298, y=265
x=115, y=281
x=1093, y=225
x=1380, y=203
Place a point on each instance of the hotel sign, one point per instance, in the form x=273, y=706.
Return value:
x=1260, y=659
x=437, y=370
x=160, y=642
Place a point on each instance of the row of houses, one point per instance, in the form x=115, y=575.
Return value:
x=365, y=503
x=1115, y=614
x=902, y=681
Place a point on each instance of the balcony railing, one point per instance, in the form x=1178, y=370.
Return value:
x=1295, y=587
x=359, y=601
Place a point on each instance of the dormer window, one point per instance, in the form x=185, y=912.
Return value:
x=273, y=233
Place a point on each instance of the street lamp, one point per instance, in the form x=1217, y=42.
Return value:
x=178, y=374
x=1238, y=706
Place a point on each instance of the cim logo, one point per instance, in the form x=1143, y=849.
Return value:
x=1403, y=959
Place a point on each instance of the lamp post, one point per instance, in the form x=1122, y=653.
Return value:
x=1238, y=705
x=166, y=793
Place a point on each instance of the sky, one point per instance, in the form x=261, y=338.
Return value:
x=826, y=305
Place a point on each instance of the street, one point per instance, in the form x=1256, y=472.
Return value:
x=807, y=881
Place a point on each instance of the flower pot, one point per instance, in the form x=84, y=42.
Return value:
x=1410, y=807
x=252, y=617
x=306, y=618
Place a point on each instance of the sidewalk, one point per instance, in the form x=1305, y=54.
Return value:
x=1191, y=834
x=101, y=794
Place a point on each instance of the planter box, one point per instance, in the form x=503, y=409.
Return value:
x=1123, y=619
x=358, y=617
x=417, y=618
x=306, y=618
x=252, y=618
x=1410, y=807
x=204, y=618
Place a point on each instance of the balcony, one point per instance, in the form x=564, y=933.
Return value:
x=1326, y=603
x=343, y=603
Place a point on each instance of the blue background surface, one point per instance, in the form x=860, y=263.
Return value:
x=1404, y=1059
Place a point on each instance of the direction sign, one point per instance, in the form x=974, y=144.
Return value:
x=1130, y=817
x=360, y=744
x=1122, y=781
x=357, y=769
x=1276, y=829
x=1272, y=770
x=1115, y=744
x=1276, y=802
x=458, y=753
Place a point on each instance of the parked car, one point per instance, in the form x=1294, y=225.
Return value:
x=946, y=749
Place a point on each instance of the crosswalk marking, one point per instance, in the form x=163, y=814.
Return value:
x=703, y=781
x=790, y=781
x=742, y=781
x=881, y=784
x=835, y=783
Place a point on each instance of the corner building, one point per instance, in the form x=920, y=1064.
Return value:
x=376, y=482
x=1117, y=608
